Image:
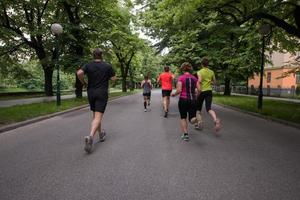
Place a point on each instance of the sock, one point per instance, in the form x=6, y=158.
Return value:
x=145, y=104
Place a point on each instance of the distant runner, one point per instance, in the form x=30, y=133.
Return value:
x=166, y=79
x=206, y=77
x=99, y=73
x=147, y=86
x=187, y=85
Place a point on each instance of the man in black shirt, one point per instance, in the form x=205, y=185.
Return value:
x=99, y=73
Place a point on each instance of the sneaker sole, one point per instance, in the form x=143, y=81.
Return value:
x=87, y=147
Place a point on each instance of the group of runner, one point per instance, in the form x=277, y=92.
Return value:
x=193, y=92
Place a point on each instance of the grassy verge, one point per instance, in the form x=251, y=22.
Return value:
x=288, y=111
x=23, y=112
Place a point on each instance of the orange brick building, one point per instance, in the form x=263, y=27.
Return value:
x=280, y=78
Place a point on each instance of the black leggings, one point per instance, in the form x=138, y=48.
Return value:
x=187, y=107
x=207, y=96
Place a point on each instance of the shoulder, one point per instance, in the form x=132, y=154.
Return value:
x=181, y=78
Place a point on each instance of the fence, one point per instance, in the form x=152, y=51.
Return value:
x=276, y=92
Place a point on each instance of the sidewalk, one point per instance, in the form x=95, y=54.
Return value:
x=267, y=97
x=8, y=103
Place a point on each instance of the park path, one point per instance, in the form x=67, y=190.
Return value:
x=144, y=157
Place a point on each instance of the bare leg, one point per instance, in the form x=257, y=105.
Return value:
x=213, y=114
x=165, y=103
x=184, y=125
x=168, y=103
x=145, y=102
x=216, y=120
x=96, y=123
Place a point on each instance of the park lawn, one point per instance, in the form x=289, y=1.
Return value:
x=288, y=111
x=24, y=95
x=23, y=112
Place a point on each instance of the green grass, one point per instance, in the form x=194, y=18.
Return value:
x=288, y=111
x=4, y=90
x=23, y=112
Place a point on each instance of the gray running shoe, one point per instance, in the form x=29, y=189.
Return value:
x=88, y=140
x=102, y=136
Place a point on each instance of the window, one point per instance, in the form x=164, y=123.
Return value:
x=297, y=78
x=269, y=77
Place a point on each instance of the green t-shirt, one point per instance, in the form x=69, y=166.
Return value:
x=207, y=76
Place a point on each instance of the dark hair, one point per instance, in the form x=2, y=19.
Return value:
x=146, y=77
x=186, y=66
x=205, y=62
x=97, y=53
x=167, y=68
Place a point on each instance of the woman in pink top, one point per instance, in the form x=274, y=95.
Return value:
x=186, y=86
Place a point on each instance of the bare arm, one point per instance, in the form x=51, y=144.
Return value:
x=178, y=89
x=214, y=81
x=150, y=84
x=142, y=83
x=113, y=78
x=80, y=75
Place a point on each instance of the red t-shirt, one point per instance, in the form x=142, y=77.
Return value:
x=166, y=80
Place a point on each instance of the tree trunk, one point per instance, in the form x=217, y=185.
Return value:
x=132, y=85
x=78, y=87
x=124, y=84
x=48, y=87
x=227, y=90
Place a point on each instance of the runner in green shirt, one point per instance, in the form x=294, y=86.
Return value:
x=206, y=77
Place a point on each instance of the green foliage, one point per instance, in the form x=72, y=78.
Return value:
x=224, y=31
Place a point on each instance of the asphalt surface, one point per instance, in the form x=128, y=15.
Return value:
x=144, y=157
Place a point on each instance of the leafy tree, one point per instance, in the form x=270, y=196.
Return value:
x=25, y=31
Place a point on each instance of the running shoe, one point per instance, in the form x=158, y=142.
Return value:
x=145, y=110
x=102, y=136
x=185, y=137
x=166, y=114
x=88, y=140
x=199, y=125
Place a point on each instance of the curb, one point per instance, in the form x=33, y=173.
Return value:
x=295, y=125
x=41, y=118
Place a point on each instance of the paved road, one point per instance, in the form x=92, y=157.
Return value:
x=144, y=158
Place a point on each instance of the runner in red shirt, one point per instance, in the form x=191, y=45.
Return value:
x=166, y=80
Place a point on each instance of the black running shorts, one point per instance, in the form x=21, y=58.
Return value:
x=98, y=100
x=207, y=97
x=148, y=94
x=187, y=107
x=166, y=93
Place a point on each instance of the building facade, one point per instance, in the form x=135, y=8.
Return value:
x=280, y=78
